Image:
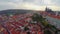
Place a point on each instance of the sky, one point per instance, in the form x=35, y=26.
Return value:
x=30, y=4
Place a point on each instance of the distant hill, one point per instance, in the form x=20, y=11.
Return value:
x=12, y=11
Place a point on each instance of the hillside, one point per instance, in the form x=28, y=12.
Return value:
x=12, y=11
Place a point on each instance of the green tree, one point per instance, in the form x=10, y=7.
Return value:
x=39, y=18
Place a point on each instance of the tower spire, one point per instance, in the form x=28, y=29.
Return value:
x=46, y=8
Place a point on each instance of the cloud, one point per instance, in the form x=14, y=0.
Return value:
x=54, y=7
x=57, y=2
x=29, y=4
x=47, y=2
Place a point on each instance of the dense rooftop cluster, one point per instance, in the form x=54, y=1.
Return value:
x=18, y=24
